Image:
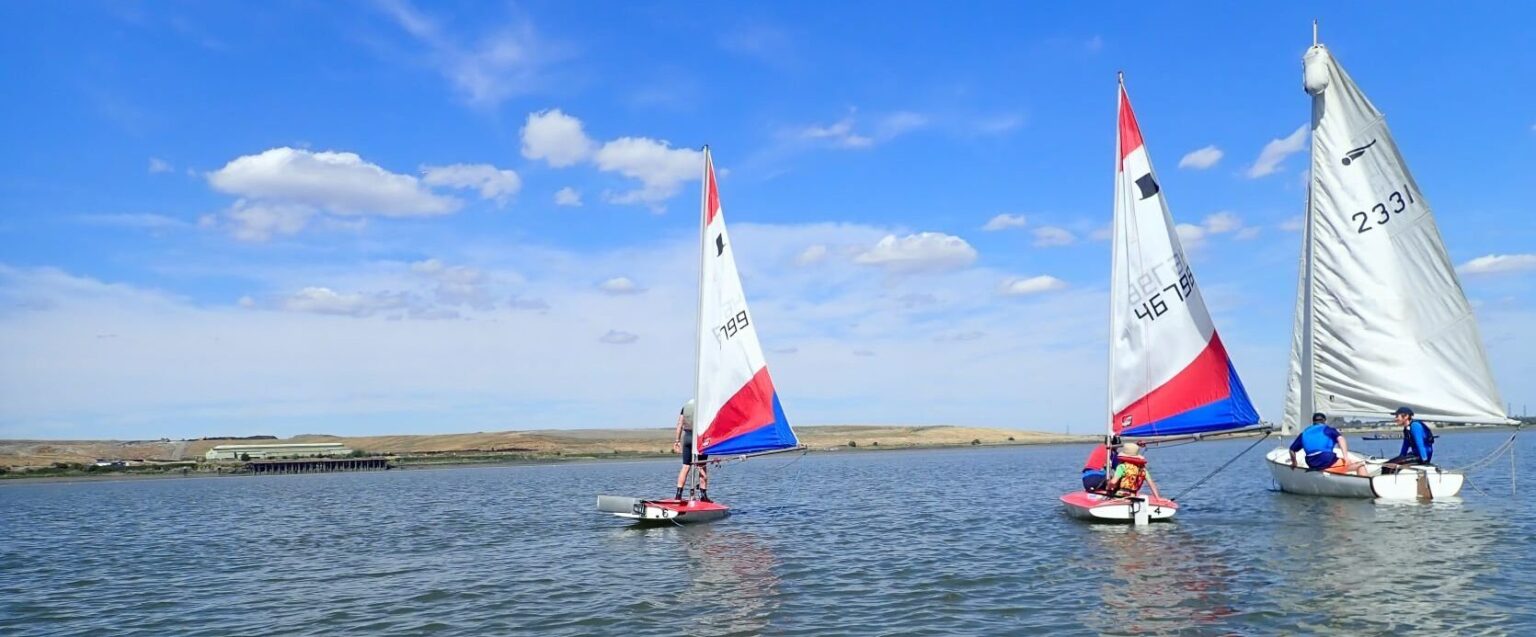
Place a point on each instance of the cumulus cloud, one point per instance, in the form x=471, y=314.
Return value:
x=811, y=255
x=620, y=285
x=1246, y=234
x=556, y=138
x=1222, y=222
x=567, y=196
x=491, y=182
x=921, y=252
x=1276, y=151
x=839, y=134
x=1052, y=236
x=256, y=221
x=1201, y=159
x=1102, y=233
x=1499, y=264
x=660, y=168
x=618, y=337
x=455, y=285
x=1190, y=235
x=157, y=165
x=336, y=182
x=1005, y=221
x=1024, y=286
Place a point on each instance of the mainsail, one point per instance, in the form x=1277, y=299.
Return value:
x=737, y=405
x=1169, y=372
x=1381, y=319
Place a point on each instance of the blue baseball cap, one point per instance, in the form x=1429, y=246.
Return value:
x=1319, y=417
x=1403, y=411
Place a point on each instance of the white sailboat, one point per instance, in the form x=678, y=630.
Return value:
x=737, y=411
x=1169, y=374
x=1381, y=320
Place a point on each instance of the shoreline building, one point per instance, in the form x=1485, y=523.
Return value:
x=264, y=452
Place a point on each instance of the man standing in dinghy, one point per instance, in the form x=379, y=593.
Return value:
x=683, y=442
x=1418, y=441
x=1319, y=441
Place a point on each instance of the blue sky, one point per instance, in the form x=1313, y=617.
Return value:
x=386, y=217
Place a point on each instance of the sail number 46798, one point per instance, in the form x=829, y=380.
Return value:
x=735, y=325
x=1382, y=212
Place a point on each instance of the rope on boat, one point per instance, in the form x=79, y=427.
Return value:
x=1506, y=446
x=1219, y=469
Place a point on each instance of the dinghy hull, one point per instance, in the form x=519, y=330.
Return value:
x=1100, y=508
x=1409, y=483
x=661, y=511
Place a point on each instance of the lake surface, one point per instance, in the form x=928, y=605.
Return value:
x=951, y=542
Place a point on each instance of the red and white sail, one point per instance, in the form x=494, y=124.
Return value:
x=1169, y=373
x=738, y=410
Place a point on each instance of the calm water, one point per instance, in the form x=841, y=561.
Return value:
x=933, y=542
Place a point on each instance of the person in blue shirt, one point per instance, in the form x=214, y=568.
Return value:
x=1319, y=442
x=1101, y=461
x=1418, y=440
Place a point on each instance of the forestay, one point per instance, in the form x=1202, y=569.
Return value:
x=737, y=403
x=1381, y=319
x=1169, y=372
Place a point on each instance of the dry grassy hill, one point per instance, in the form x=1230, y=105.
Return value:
x=578, y=442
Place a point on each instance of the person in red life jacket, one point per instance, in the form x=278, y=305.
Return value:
x=1326, y=449
x=1100, y=462
x=1418, y=440
x=1131, y=473
x=683, y=441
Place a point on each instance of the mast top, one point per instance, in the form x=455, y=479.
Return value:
x=1314, y=32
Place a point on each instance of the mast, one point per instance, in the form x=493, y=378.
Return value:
x=1114, y=265
x=698, y=315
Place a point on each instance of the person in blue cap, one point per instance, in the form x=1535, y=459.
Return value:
x=1418, y=440
x=1320, y=442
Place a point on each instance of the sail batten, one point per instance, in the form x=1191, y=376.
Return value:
x=738, y=410
x=1382, y=320
x=1169, y=372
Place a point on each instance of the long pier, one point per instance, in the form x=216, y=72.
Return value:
x=317, y=465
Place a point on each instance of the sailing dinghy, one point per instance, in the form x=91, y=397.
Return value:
x=737, y=411
x=1381, y=319
x=1169, y=374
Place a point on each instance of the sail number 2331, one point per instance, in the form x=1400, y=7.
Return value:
x=1382, y=212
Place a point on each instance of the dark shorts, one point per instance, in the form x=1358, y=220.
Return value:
x=688, y=450
x=1320, y=461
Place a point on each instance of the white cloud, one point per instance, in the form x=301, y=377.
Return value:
x=556, y=138
x=660, y=168
x=1201, y=159
x=531, y=304
x=143, y=221
x=321, y=300
x=1005, y=221
x=1499, y=264
x=567, y=196
x=337, y=182
x=1291, y=225
x=1102, y=233
x=1052, y=236
x=811, y=255
x=258, y=221
x=456, y=285
x=492, y=182
x=1276, y=151
x=1024, y=286
x=1190, y=236
x=1222, y=222
x=157, y=165
x=620, y=285
x=1246, y=234
x=921, y=252
x=618, y=337
x=503, y=64
x=842, y=133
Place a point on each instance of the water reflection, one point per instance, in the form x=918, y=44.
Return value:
x=1157, y=579
x=732, y=584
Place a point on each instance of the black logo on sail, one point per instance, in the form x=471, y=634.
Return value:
x=719, y=244
x=1352, y=155
x=1148, y=185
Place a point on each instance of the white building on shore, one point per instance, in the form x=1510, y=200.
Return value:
x=266, y=452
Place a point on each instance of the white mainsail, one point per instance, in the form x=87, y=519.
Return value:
x=1381, y=319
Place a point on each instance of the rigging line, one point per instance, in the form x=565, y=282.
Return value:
x=1506, y=446
x=1220, y=468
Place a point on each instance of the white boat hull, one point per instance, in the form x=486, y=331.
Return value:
x=1409, y=483
x=1099, y=508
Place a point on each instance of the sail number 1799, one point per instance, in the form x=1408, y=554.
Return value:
x=735, y=325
